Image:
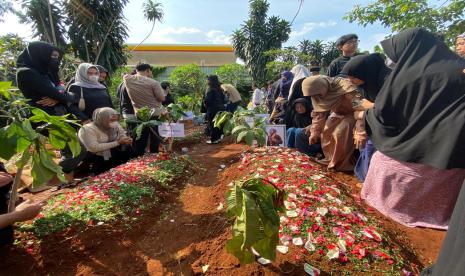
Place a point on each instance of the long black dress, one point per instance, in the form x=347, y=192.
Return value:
x=214, y=103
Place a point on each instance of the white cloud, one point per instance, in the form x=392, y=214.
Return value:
x=310, y=26
x=218, y=37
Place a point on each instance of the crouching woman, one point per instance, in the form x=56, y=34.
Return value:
x=104, y=139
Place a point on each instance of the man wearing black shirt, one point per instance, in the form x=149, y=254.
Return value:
x=348, y=45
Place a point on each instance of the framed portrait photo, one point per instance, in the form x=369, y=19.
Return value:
x=275, y=135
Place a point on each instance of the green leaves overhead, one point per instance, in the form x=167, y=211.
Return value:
x=448, y=18
x=256, y=225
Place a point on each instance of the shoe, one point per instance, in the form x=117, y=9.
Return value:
x=210, y=142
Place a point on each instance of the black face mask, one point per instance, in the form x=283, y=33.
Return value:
x=54, y=64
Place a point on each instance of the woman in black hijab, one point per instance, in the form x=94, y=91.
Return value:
x=368, y=72
x=38, y=80
x=214, y=103
x=418, y=128
x=301, y=118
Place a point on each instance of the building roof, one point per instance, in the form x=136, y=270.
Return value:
x=180, y=54
x=181, y=48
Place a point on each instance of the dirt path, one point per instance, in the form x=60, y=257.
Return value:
x=187, y=231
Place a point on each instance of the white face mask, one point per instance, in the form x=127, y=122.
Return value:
x=94, y=78
x=114, y=124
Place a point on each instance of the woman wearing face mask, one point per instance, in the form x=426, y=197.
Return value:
x=89, y=94
x=37, y=78
x=103, y=139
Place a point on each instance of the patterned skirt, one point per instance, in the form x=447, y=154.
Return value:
x=412, y=194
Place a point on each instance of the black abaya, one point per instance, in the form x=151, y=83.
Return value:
x=370, y=69
x=419, y=114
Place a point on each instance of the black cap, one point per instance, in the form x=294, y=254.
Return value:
x=343, y=39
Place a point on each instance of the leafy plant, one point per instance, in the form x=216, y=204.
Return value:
x=243, y=124
x=255, y=206
x=190, y=103
x=175, y=113
x=19, y=137
x=144, y=119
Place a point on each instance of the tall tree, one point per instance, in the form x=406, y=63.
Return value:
x=330, y=53
x=152, y=12
x=46, y=19
x=257, y=35
x=305, y=46
x=97, y=31
x=401, y=14
x=11, y=46
x=317, y=50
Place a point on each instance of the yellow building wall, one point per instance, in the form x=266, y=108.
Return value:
x=176, y=55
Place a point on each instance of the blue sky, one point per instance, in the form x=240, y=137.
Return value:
x=212, y=21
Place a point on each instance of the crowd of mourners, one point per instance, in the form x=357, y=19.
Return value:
x=396, y=120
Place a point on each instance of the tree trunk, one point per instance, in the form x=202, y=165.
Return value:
x=14, y=190
x=50, y=18
x=46, y=34
x=153, y=26
x=103, y=42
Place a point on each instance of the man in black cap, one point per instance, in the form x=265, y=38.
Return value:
x=348, y=45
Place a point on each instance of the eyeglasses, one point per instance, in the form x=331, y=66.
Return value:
x=460, y=43
x=353, y=41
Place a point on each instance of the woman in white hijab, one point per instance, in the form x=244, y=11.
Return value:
x=102, y=138
x=89, y=94
x=300, y=72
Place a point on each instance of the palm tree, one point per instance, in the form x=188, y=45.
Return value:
x=317, y=50
x=97, y=31
x=330, y=53
x=47, y=20
x=305, y=46
x=257, y=35
x=152, y=12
